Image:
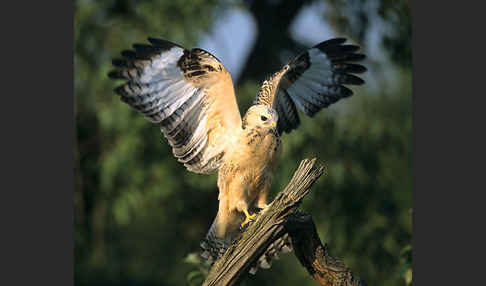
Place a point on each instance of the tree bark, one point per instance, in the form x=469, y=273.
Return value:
x=281, y=217
x=315, y=257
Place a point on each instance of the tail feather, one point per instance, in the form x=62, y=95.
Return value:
x=213, y=247
x=212, y=250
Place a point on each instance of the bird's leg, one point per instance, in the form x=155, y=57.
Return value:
x=248, y=217
x=242, y=206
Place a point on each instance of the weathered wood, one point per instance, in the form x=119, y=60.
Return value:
x=278, y=218
x=315, y=257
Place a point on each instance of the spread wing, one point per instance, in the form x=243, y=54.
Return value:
x=189, y=93
x=313, y=80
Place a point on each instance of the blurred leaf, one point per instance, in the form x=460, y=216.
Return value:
x=195, y=278
x=193, y=258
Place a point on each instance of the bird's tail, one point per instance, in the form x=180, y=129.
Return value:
x=213, y=247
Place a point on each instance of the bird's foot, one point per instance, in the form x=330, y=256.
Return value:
x=262, y=206
x=248, y=218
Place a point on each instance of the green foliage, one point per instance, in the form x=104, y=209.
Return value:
x=139, y=215
x=196, y=277
x=406, y=258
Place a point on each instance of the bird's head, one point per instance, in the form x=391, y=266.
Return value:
x=260, y=116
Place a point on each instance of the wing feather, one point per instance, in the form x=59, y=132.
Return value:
x=313, y=80
x=189, y=93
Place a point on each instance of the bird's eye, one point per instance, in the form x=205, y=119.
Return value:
x=264, y=118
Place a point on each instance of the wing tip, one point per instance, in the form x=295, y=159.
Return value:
x=360, y=69
x=349, y=68
x=331, y=42
x=117, y=62
x=143, y=51
x=345, y=91
x=336, y=47
x=129, y=54
x=115, y=74
x=161, y=43
x=353, y=80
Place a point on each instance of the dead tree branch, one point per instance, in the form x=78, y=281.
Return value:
x=281, y=217
x=315, y=257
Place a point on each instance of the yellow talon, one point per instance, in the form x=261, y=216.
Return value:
x=262, y=207
x=248, y=217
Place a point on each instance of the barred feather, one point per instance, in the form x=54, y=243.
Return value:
x=313, y=80
x=181, y=90
x=214, y=247
x=288, y=118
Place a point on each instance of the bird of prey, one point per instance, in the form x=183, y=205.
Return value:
x=190, y=95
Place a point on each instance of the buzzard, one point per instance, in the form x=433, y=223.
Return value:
x=190, y=95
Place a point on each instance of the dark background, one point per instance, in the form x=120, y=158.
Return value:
x=139, y=213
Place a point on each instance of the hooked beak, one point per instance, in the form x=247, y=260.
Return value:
x=274, y=123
